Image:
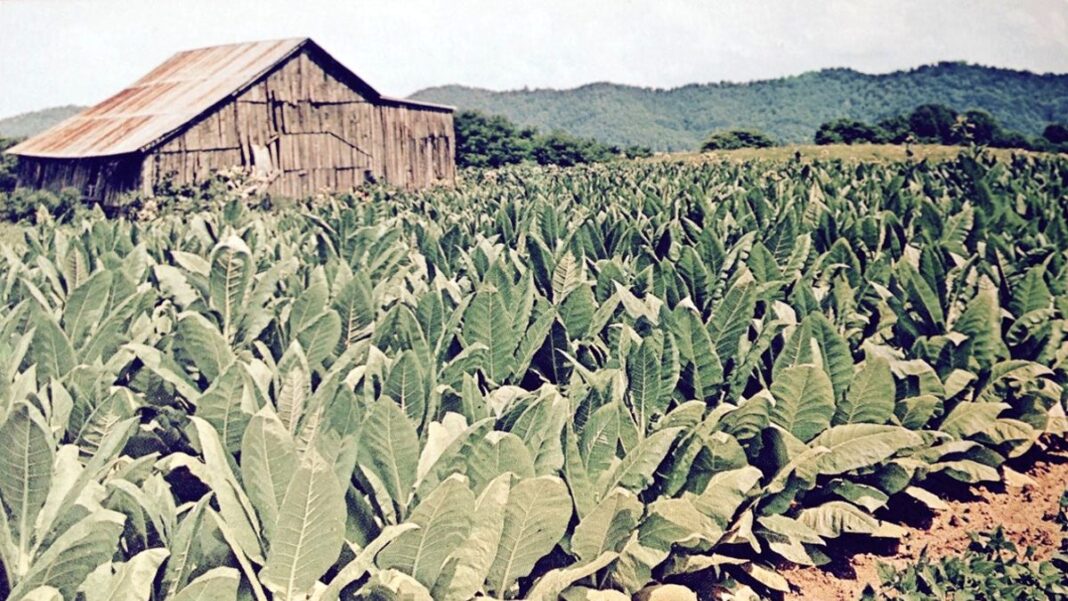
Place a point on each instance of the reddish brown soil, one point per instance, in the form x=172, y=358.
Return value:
x=1025, y=512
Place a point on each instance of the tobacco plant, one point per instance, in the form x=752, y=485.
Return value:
x=540, y=383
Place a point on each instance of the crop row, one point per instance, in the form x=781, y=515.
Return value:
x=542, y=383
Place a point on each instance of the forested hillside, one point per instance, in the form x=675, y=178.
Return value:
x=28, y=124
x=790, y=109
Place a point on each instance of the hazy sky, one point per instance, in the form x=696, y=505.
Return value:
x=81, y=51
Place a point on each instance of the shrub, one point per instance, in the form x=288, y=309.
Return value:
x=848, y=131
x=8, y=165
x=895, y=129
x=737, y=138
x=1012, y=139
x=1056, y=133
x=637, y=152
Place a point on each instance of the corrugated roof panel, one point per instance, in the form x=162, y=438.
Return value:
x=168, y=97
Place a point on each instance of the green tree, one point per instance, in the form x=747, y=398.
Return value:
x=980, y=127
x=934, y=123
x=490, y=141
x=493, y=141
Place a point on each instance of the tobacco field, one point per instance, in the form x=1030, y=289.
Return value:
x=542, y=383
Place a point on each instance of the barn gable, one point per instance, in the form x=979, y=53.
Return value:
x=286, y=108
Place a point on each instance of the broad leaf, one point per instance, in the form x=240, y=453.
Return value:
x=804, y=401
x=311, y=528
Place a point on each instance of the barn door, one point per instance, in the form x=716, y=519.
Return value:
x=261, y=161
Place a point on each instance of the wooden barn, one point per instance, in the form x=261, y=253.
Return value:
x=286, y=110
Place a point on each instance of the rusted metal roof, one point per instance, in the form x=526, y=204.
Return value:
x=174, y=94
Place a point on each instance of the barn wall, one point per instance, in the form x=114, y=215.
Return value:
x=309, y=132
x=101, y=180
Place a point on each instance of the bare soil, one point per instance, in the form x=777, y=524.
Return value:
x=1026, y=512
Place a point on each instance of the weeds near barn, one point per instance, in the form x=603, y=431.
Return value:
x=541, y=383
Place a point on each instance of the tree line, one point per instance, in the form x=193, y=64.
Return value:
x=494, y=141
x=490, y=141
x=926, y=124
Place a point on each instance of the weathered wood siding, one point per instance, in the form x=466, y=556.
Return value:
x=101, y=180
x=310, y=132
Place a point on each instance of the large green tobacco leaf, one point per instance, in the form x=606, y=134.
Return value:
x=836, y=358
x=185, y=549
x=834, y=518
x=231, y=274
x=567, y=276
x=540, y=425
x=980, y=322
x=132, y=580
x=43, y=593
x=320, y=337
x=731, y=319
x=494, y=454
x=292, y=386
x=870, y=398
x=217, y=584
x=535, y=518
x=644, y=383
x=608, y=526
x=51, y=350
x=489, y=321
x=217, y=472
x=444, y=518
x=26, y=451
x=969, y=418
x=268, y=462
x=406, y=385
x=310, y=304
x=355, y=307
x=310, y=532
x=202, y=342
x=75, y=553
x=635, y=471
x=600, y=437
x=854, y=446
x=227, y=404
x=85, y=307
x=725, y=493
x=550, y=585
x=804, y=401
x=390, y=449
x=469, y=563
x=363, y=561
x=1031, y=293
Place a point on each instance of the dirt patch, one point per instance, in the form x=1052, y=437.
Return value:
x=1025, y=512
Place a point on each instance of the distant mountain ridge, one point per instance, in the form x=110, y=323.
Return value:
x=34, y=122
x=788, y=108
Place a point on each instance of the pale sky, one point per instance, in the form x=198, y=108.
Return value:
x=56, y=52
